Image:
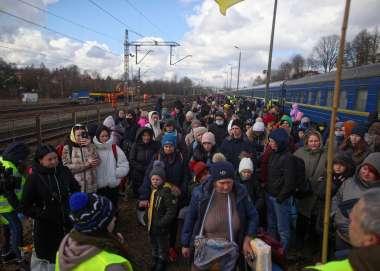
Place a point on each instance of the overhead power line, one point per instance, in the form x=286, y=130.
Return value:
x=145, y=17
x=69, y=21
x=115, y=18
x=54, y=31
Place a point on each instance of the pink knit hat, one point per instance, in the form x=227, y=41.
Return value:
x=209, y=138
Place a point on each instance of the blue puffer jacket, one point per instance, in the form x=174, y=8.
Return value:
x=248, y=215
x=176, y=171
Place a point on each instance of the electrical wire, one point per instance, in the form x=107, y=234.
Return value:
x=145, y=17
x=69, y=21
x=115, y=18
x=55, y=31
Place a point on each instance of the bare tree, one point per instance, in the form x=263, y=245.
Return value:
x=298, y=63
x=326, y=51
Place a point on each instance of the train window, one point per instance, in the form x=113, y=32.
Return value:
x=310, y=97
x=318, y=98
x=361, y=99
x=343, y=99
x=329, y=98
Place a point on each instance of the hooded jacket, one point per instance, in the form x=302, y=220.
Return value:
x=110, y=172
x=45, y=199
x=117, y=131
x=77, y=161
x=156, y=127
x=349, y=193
x=315, y=167
x=233, y=147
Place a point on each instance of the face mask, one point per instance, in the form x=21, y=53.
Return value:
x=219, y=122
x=244, y=178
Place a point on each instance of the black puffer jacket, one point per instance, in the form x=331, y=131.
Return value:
x=200, y=154
x=141, y=154
x=220, y=132
x=45, y=198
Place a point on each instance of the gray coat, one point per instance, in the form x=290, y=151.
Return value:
x=315, y=167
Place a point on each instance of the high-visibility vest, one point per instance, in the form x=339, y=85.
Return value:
x=3, y=220
x=99, y=262
x=343, y=265
x=5, y=207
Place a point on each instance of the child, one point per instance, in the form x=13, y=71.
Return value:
x=162, y=212
x=201, y=174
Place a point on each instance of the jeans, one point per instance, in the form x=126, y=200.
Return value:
x=15, y=229
x=279, y=218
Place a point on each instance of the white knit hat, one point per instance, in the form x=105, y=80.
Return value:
x=258, y=127
x=258, y=119
x=245, y=163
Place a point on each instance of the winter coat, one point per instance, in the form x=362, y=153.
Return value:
x=164, y=210
x=315, y=168
x=200, y=154
x=142, y=122
x=220, y=132
x=129, y=134
x=281, y=181
x=255, y=191
x=77, y=162
x=141, y=154
x=233, y=147
x=199, y=199
x=117, y=130
x=176, y=173
x=348, y=194
x=180, y=119
x=45, y=198
x=110, y=170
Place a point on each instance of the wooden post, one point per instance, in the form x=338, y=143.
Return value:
x=38, y=130
x=330, y=155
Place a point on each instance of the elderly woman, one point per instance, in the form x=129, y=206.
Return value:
x=314, y=156
x=219, y=207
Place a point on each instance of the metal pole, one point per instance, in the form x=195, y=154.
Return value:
x=330, y=153
x=231, y=77
x=126, y=67
x=238, y=77
x=270, y=53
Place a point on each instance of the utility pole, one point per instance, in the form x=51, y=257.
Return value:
x=270, y=53
x=238, y=75
x=231, y=77
x=126, y=67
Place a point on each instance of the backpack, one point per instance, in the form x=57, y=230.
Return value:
x=303, y=185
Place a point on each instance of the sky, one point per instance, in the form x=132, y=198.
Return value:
x=196, y=25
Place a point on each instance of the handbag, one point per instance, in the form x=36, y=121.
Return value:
x=211, y=250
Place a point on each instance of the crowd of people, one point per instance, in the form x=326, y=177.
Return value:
x=219, y=172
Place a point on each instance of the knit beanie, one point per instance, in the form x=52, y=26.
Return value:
x=170, y=122
x=199, y=167
x=169, y=138
x=158, y=169
x=199, y=131
x=189, y=114
x=42, y=151
x=218, y=157
x=90, y=212
x=359, y=130
x=16, y=152
x=222, y=170
x=258, y=127
x=245, y=164
x=305, y=120
x=258, y=119
x=237, y=123
x=208, y=137
x=219, y=114
x=281, y=136
x=339, y=125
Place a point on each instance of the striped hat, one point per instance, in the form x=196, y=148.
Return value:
x=90, y=212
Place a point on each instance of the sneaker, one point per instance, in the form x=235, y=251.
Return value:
x=172, y=254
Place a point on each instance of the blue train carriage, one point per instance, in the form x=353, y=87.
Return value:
x=359, y=95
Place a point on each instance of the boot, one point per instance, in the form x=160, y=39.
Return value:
x=160, y=265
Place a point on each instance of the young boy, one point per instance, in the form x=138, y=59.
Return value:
x=162, y=211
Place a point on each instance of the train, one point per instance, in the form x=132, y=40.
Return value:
x=359, y=93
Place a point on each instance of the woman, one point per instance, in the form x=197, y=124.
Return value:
x=154, y=124
x=315, y=157
x=141, y=154
x=205, y=151
x=80, y=156
x=215, y=192
x=355, y=146
x=189, y=138
x=113, y=165
x=367, y=176
x=117, y=130
x=91, y=244
x=198, y=133
x=45, y=198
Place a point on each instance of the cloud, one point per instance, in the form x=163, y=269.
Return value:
x=210, y=39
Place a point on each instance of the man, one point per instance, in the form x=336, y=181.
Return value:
x=219, y=128
x=364, y=233
x=236, y=146
x=13, y=163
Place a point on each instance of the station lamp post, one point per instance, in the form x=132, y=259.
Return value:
x=238, y=75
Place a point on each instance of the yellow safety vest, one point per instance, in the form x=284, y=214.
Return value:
x=99, y=262
x=343, y=265
x=5, y=207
